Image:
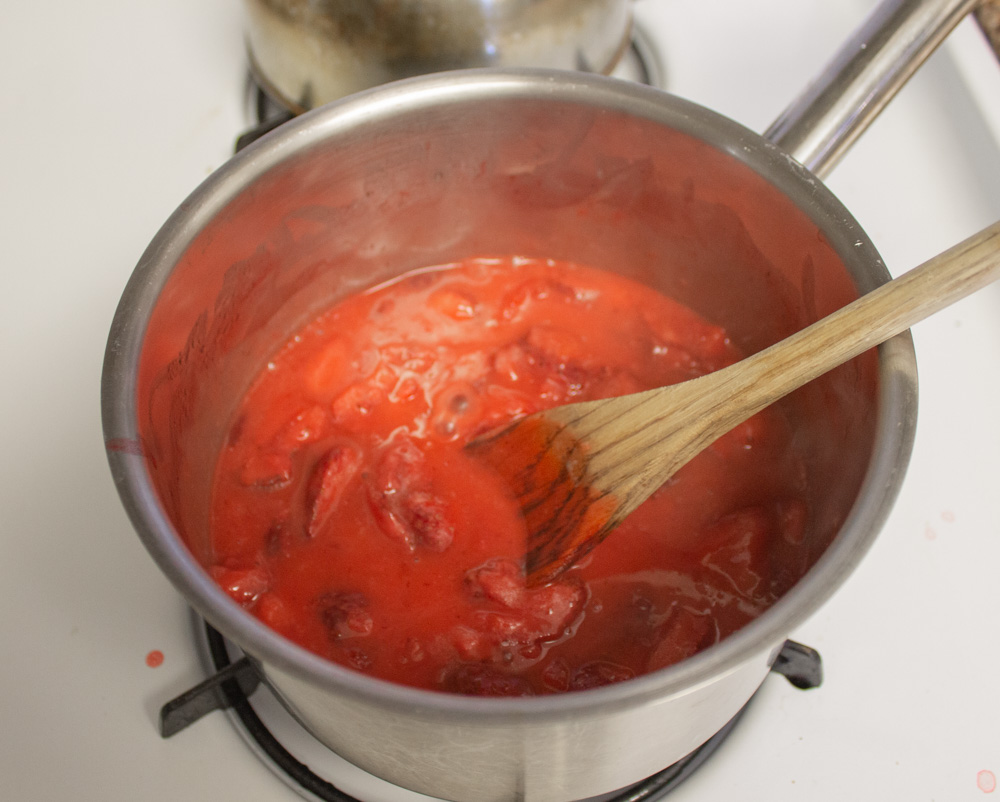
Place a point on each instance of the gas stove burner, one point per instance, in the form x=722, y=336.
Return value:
x=640, y=63
x=304, y=764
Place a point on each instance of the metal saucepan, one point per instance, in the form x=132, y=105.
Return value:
x=541, y=163
x=310, y=52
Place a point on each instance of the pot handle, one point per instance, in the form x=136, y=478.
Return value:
x=864, y=75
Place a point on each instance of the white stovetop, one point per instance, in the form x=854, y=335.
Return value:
x=114, y=111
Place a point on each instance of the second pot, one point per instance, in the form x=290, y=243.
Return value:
x=307, y=53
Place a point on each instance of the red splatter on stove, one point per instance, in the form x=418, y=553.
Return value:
x=948, y=516
x=154, y=658
x=986, y=781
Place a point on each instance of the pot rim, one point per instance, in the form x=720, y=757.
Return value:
x=895, y=426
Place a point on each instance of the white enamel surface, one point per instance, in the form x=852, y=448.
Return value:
x=114, y=112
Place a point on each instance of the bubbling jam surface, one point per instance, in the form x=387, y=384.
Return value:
x=347, y=516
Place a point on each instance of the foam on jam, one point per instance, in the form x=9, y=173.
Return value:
x=347, y=516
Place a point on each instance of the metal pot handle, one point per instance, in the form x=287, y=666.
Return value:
x=864, y=75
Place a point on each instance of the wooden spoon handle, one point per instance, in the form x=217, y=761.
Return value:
x=650, y=435
x=872, y=319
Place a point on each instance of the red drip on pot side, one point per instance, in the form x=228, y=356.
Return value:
x=347, y=516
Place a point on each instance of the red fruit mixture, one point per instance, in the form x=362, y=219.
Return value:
x=347, y=516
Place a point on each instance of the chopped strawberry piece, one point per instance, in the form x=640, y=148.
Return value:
x=612, y=383
x=266, y=470
x=275, y=613
x=453, y=303
x=358, y=399
x=557, y=348
x=413, y=651
x=244, y=585
x=327, y=367
x=482, y=680
x=414, y=519
x=512, y=362
x=470, y=644
x=597, y=673
x=402, y=500
x=345, y=615
x=528, y=618
x=505, y=404
x=707, y=346
x=556, y=603
x=330, y=477
x=499, y=580
x=555, y=362
x=423, y=515
x=504, y=631
x=406, y=389
x=556, y=675
x=503, y=581
x=309, y=425
x=517, y=300
x=270, y=468
x=358, y=659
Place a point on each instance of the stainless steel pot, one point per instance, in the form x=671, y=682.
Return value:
x=309, y=52
x=540, y=163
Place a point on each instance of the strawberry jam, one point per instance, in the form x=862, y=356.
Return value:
x=347, y=515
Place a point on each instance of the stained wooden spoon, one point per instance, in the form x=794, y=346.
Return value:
x=578, y=470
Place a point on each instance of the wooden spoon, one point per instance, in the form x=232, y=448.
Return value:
x=578, y=470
